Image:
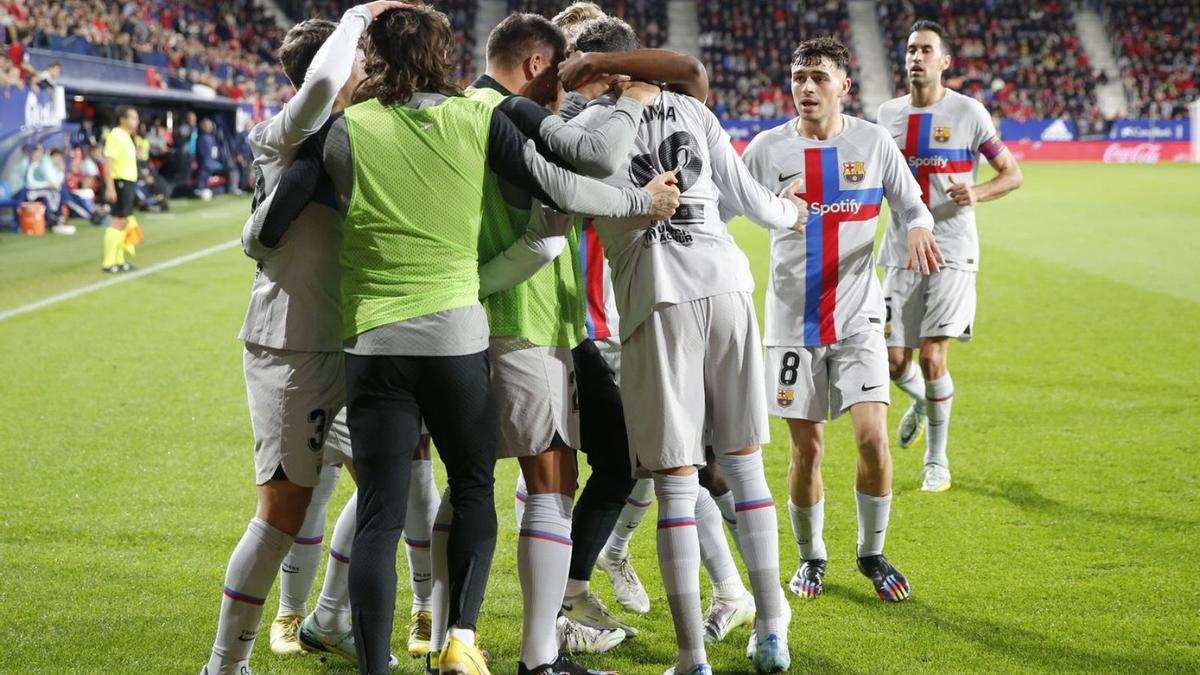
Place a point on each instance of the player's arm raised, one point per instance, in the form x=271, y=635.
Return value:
x=596, y=152
x=515, y=158
x=328, y=72
x=682, y=74
x=904, y=198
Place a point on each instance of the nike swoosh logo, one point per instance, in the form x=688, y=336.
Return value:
x=943, y=325
x=866, y=388
x=784, y=179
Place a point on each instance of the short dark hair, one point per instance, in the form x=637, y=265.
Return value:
x=810, y=53
x=520, y=35
x=300, y=45
x=408, y=50
x=609, y=34
x=56, y=64
x=934, y=27
x=122, y=111
x=55, y=151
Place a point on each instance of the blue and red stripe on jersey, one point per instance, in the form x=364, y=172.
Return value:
x=591, y=259
x=917, y=147
x=822, y=171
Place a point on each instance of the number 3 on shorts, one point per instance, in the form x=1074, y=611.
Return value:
x=317, y=417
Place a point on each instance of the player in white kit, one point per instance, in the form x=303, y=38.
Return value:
x=293, y=360
x=689, y=356
x=942, y=135
x=824, y=308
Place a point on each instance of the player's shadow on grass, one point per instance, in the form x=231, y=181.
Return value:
x=653, y=655
x=1023, y=495
x=1031, y=649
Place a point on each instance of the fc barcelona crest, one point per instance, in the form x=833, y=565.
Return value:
x=785, y=397
x=854, y=172
x=941, y=134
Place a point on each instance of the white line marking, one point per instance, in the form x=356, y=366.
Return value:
x=129, y=276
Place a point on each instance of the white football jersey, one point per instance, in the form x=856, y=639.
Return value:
x=822, y=286
x=692, y=255
x=941, y=141
x=295, y=302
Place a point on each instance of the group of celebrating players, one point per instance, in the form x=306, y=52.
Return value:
x=434, y=262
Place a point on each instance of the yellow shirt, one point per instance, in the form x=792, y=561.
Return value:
x=122, y=156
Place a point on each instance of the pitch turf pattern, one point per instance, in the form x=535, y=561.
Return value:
x=1065, y=544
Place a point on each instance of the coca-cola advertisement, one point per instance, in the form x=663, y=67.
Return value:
x=1111, y=152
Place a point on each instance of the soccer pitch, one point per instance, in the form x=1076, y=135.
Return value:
x=1065, y=544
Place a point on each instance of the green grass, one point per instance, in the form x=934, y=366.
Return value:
x=1066, y=543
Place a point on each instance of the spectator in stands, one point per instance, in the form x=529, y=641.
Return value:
x=50, y=76
x=86, y=135
x=44, y=183
x=185, y=150
x=160, y=140
x=208, y=161
x=243, y=156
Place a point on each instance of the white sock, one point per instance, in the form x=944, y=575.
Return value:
x=418, y=523
x=729, y=514
x=299, y=568
x=631, y=517
x=577, y=589
x=543, y=560
x=912, y=382
x=333, y=605
x=872, y=523
x=808, y=526
x=248, y=580
x=714, y=550
x=679, y=561
x=439, y=598
x=758, y=531
x=520, y=497
x=939, y=397
x=463, y=635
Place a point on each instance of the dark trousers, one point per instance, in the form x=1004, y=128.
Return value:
x=386, y=396
x=605, y=443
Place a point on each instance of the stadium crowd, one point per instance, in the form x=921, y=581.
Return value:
x=226, y=46
x=1158, y=47
x=460, y=12
x=747, y=46
x=1023, y=60
x=648, y=17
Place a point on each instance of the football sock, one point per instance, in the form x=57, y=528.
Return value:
x=463, y=635
x=418, y=523
x=299, y=568
x=714, y=550
x=521, y=495
x=808, y=525
x=114, y=240
x=758, y=532
x=576, y=589
x=332, y=613
x=912, y=382
x=439, y=597
x=248, y=580
x=631, y=516
x=679, y=561
x=543, y=559
x=940, y=396
x=872, y=523
x=725, y=503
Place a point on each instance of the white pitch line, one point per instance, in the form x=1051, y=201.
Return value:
x=122, y=278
